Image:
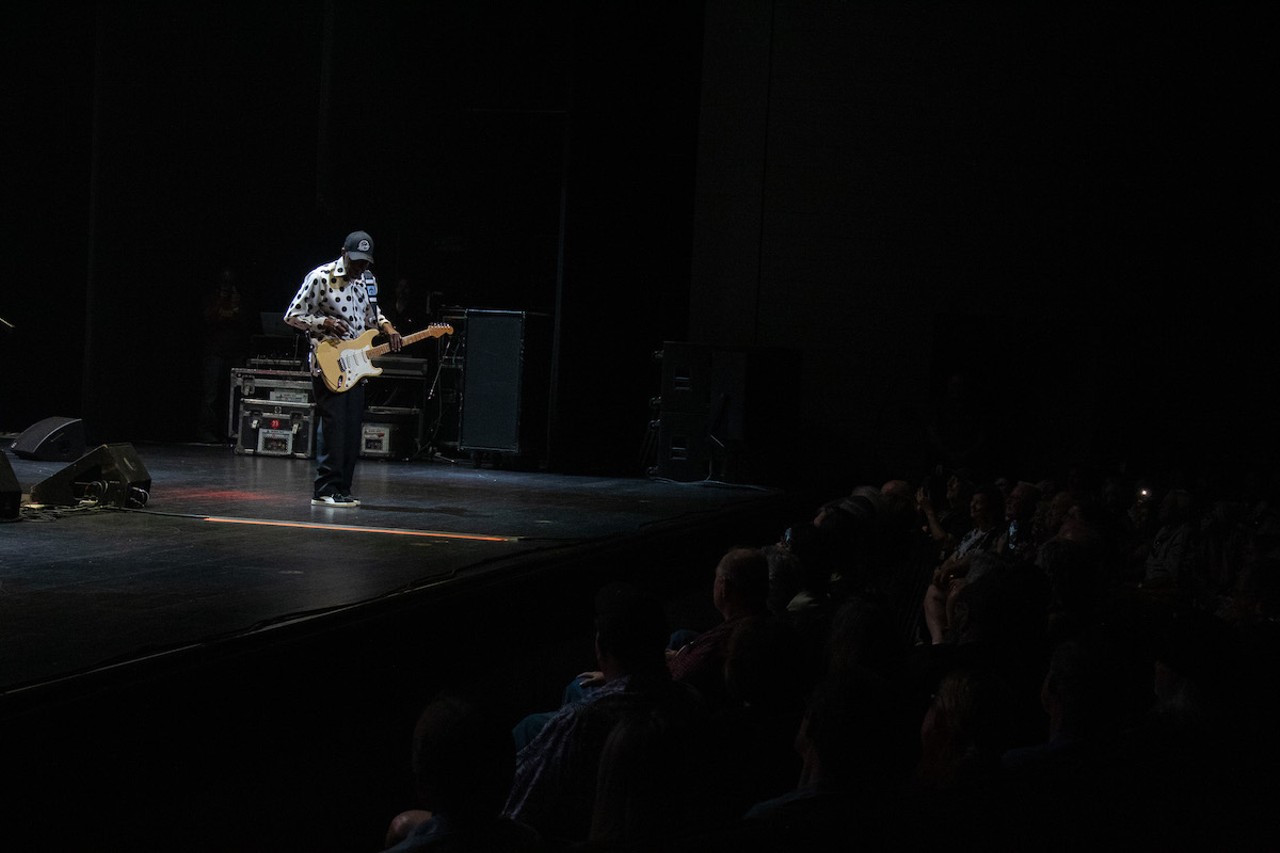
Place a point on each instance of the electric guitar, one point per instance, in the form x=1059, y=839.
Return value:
x=344, y=363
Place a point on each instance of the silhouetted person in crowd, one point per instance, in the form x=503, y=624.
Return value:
x=463, y=763
x=854, y=760
x=1020, y=539
x=652, y=781
x=946, y=522
x=740, y=589
x=1171, y=559
x=555, y=783
x=1078, y=584
x=986, y=511
x=751, y=754
x=800, y=570
x=997, y=621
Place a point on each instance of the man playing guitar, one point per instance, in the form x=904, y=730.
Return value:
x=338, y=300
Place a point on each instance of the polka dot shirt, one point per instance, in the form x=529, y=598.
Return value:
x=327, y=292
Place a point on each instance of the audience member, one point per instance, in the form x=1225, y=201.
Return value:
x=1171, y=559
x=864, y=633
x=1052, y=512
x=463, y=763
x=1089, y=694
x=803, y=565
x=986, y=509
x=1141, y=522
x=651, y=784
x=804, y=719
x=740, y=589
x=953, y=793
x=1020, y=539
x=947, y=524
x=752, y=733
x=1077, y=581
x=996, y=621
x=556, y=773
x=1189, y=767
x=985, y=512
x=855, y=759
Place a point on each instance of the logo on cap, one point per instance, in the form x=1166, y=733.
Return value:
x=359, y=245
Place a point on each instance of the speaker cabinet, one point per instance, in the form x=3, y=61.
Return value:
x=684, y=447
x=505, y=372
x=111, y=475
x=10, y=491
x=726, y=414
x=686, y=377
x=52, y=440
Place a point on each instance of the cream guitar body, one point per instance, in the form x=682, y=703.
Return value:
x=345, y=363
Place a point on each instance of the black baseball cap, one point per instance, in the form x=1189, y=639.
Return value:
x=359, y=246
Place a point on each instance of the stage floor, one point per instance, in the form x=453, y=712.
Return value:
x=234, y=667
x=229, y=544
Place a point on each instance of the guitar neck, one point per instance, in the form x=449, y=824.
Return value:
x=405, y=340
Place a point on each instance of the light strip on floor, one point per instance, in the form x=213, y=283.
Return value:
x=433, y=534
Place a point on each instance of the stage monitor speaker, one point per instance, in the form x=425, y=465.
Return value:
x=54, y=439
x=108, y=475
x=726, y=414
x=686, y=377
x=10, y=491
x=504, y=394
x=684, y=447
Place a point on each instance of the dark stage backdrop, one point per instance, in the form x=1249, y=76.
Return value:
x=1071, y=204
x=1075, y=203
x=480, y=143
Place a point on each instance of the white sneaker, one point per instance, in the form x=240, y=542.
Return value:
x=343, y=501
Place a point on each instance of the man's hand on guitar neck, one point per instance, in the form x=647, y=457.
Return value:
x=394, y=341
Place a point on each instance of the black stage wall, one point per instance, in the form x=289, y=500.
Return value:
x=1074, y=203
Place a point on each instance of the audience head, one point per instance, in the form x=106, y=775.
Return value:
x=631, y=630
x=847, y=735
x=647, y=780
x=986, y=507
x=1020, y=505
x=966, y=728
x=785, y=574
x=899, y=501
x=818, y=552
x=1175, y=507
x=741, y=582
x=1055, y=511
x=1085, y=692
x=463, y=757
x=864, y=633
x=960, y=489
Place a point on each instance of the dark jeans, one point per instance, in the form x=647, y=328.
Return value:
x=338, y=437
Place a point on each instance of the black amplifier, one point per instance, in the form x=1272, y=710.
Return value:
x=276, y=428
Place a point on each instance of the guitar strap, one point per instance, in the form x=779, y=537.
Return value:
x=370, y=282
